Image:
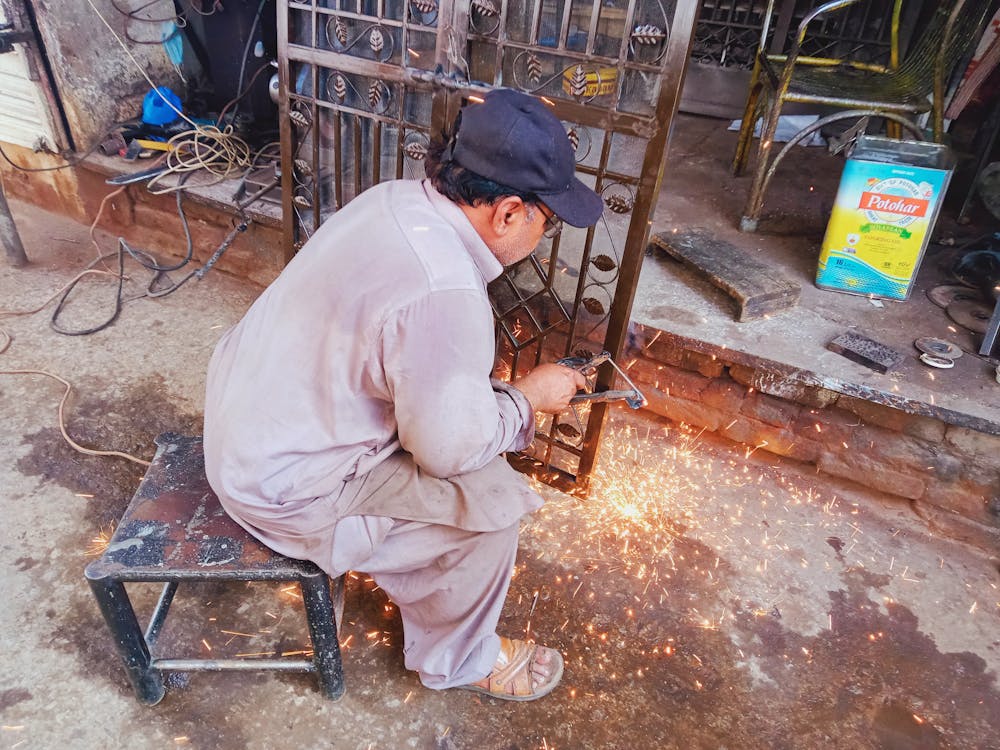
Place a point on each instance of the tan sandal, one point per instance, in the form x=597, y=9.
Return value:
x=510, y=679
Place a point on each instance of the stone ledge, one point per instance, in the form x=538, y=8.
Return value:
x=950, y=468
x=785, y=381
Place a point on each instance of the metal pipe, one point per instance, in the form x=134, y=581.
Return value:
x=232, y=665
x=159, y=615
x=8, y=232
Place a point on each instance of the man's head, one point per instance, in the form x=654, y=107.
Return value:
x=510, y=165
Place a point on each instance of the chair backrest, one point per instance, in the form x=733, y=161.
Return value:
x=940, y=46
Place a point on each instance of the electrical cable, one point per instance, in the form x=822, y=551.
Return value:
x=133, y=15
x=152, y=265
x=226, y=141
x=216, y=7
x=178, y=20
x=242, y=94
x=62, y=419
x=243, y=60
x=210, y=148
x=54, y=321
x=68, y=163
x=206, y=148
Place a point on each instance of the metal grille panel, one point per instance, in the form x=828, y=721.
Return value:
x=728, y=31
x=366, y=82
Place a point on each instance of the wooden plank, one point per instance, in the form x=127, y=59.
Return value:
x=757, y=288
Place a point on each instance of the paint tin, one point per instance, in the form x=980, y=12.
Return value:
x=888, y=201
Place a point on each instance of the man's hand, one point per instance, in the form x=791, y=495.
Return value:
x=549, y=387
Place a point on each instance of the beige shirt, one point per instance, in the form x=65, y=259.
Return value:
x=376, y=338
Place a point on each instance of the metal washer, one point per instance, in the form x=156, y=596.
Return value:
x=939, y=362
x=938, y=347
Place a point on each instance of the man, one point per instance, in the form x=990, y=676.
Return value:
x=350, y=416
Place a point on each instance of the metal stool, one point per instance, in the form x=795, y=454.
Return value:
x=175, y=530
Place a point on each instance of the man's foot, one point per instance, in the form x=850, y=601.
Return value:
x=524, y=671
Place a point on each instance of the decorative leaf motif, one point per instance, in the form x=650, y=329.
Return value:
x=340, y=31
x=574, y=138
x=376, y=40
x=375, y=94
x=340, y=87
x=302, y=202
x=299, y=118
x=619, y=203
x=568, y=430
x=485, y=7
x=578, y=82
x=604, y=263
x=416, y=151
x=593, y=306
x=647, y=33
x=534, y=68
x=303, y=167
x=425, y=6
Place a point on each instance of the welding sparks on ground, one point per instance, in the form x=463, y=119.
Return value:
x=667, y=511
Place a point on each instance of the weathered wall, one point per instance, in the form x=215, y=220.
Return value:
x=97, y=82
x=51, y=184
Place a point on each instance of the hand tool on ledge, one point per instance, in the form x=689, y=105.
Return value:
x=588, y=365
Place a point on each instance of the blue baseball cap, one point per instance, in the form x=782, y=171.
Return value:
x=515, y=140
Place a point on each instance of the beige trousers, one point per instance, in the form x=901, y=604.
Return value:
x=442, y=549
x=449, y=585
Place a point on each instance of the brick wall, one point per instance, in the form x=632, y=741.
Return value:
x=149, y=222
x=951, y=474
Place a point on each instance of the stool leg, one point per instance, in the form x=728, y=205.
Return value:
x=118, y=613
x=323, y=629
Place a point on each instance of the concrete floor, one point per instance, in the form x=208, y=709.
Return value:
x=703, y=597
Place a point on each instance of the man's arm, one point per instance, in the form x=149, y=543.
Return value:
x=437, y=355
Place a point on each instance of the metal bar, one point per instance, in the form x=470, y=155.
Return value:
x=992, y=331
x=323, y=630
x=376, y=152
x=675, y=64
x=536, y=22
x=131, y=646
x=159, y=616
x=356, y=141
x=233, y=665
x=567, y=16
x=9, y=234
x=289, y=229
x=500, y=45
x=629, y=24
x=595, y=17
x=781, y=26
x=621, y=122
x=315, y=138
x=338, y=161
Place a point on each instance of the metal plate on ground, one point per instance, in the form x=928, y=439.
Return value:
x=938, y=347
x=865, y=351
x=945, y=294
x=970, y=314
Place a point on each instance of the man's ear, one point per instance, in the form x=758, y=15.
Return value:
x=505, y=213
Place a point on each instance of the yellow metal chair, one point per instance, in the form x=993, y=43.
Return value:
x=897, y=92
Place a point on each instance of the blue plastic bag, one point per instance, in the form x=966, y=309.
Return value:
x=156, y=110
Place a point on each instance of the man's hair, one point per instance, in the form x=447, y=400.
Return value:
x=461, y=185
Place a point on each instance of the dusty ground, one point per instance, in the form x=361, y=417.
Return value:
x=703, y=597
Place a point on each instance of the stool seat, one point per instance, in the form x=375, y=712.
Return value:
x=174, y=530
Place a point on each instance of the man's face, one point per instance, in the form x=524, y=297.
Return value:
x=523, y=238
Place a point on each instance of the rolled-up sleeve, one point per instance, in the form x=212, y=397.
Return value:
x=437, y=355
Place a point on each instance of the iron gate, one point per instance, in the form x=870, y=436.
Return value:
x=364, y=84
